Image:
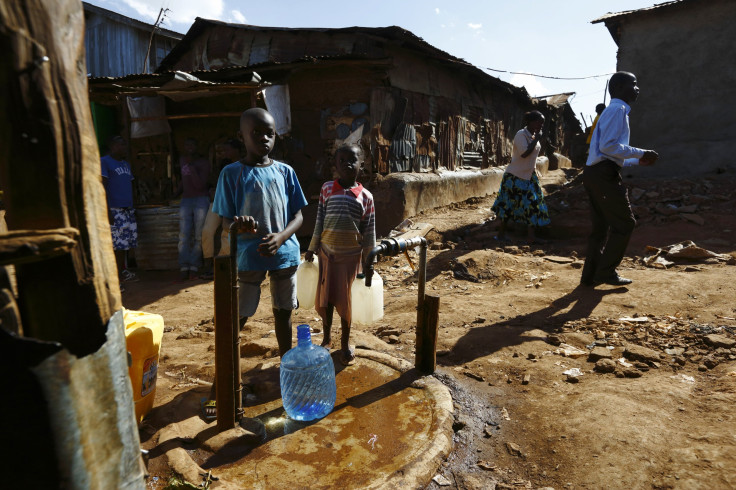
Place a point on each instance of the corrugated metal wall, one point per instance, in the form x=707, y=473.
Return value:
x=115, y=49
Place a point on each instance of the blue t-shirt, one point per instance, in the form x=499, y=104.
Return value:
x=119, y=182
x=272, y=195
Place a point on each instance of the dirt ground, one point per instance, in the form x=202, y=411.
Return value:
x=513, y=320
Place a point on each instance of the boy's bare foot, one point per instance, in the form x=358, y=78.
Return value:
x=347, y=356
x=326, y=343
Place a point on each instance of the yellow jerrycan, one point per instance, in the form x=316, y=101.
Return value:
x=143, y=333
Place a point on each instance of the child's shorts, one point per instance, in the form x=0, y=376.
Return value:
x=124, y=229
x=283, y=290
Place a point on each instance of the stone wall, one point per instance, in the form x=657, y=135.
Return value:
x=688, y=88
x=401, y=195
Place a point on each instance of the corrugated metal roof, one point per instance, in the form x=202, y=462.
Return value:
x=392, y=33
x=612, y=15
x=203, y=76
x=175, y=84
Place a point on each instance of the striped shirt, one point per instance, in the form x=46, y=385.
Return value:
x=346, y=222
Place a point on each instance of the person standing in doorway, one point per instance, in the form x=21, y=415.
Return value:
x=117, y=178
x=610, y=210
x=195, y=202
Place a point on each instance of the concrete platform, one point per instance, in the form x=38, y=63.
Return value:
x=391, y=428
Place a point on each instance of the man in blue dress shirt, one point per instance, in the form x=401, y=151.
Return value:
x=611, y=215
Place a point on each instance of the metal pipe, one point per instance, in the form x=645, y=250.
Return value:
x=369, y=261
x=426, y=329
x=235, y=319
x=391, y=247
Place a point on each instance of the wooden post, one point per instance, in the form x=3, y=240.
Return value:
x=66, y=379
x=426, y=343
x=225, y=374
x=50, y=170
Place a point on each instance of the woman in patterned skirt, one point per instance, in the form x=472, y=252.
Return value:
x=520, y=197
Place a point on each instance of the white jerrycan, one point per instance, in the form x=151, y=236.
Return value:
x=367, y=302
x=307, y=278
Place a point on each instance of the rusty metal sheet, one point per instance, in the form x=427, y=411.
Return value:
x=403, y=148
x=426, y=148
x=260, y=48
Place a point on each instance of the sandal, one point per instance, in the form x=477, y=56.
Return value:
x=347, y=357
x=209, y=409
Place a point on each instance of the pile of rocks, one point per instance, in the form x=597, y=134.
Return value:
x=645, y=342
x=656, y=201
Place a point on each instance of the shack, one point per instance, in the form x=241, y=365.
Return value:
x=156, y=113
x=676, y=49
x=435, y=128
x=116, y=45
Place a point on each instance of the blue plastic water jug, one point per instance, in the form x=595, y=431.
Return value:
x=307, y=377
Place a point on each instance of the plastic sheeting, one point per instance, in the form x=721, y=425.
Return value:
x=279, y=105
x=147, y=107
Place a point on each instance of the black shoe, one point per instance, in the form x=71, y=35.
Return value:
x=615, y=280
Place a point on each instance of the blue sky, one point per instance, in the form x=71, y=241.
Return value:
x=530, y=36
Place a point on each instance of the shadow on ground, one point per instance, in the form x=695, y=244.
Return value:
x=485, y=340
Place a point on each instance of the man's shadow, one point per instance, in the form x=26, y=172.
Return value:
x=485, y=340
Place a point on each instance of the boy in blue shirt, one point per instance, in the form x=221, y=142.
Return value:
x=264, y=198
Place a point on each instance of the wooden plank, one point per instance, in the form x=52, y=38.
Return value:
x=412, y=230
x=426, y=344
x=187, y=116
x=24, y=246
x=225, y=374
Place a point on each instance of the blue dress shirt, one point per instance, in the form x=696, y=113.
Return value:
x=611, y=137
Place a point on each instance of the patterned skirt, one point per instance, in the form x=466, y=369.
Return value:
x=124, y=229
x=521, y=201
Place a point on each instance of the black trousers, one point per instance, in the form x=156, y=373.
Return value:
x=611, y=217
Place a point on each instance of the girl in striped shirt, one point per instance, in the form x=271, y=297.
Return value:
x=344, y=233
